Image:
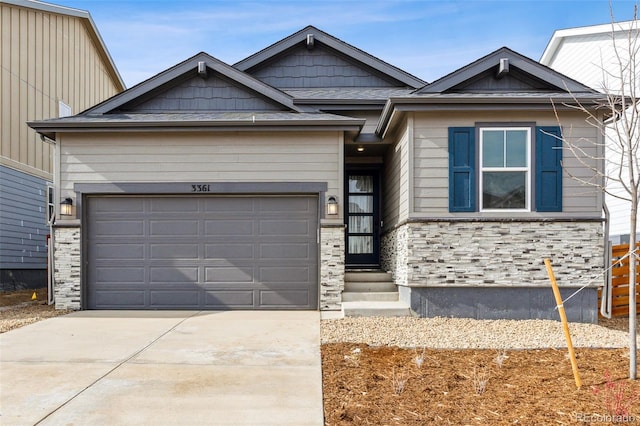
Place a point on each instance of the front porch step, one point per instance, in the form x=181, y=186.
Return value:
x=369, y=286
x=367, y=276
x=365, y=296
x=375, y=309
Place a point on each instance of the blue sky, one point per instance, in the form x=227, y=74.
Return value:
x=427, y=38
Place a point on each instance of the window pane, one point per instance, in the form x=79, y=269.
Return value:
x=360, y=183
x=504, y=190
x=360, y=203
x=516, y=148
x=493, y=148
x=360, y=224
x=360, y=245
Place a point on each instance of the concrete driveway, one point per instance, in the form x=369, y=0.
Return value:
x=163, y=368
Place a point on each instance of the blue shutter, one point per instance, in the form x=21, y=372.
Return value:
x=548, y=169
x=462, y=175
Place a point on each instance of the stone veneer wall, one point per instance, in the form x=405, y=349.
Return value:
x=494, y=253
x=67, y=263
x=331, y=267
x=393, y=254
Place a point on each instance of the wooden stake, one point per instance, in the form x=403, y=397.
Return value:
x=565, y=324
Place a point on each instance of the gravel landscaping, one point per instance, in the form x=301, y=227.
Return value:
x=454, y=333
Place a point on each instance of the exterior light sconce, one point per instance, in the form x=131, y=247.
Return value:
x=66, y=207
x=332, y=206
x=360, y=148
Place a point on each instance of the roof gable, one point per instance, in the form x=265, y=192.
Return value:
x=313, y=58
x=504, y=71
x=200, y=83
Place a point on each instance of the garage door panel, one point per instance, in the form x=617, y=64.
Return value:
x=173, y=275
x=284, y=251
x=174, y=299
x=173, y=205
x=283, y=228
x=230, y=275
x=114, y=205
x=215, y=253
x=228, y=227
x=121, y=299
x=285, y=274
x=164, y=228
x=293, y=205
x=230, y=252
x=119, y=274
x=278, y=299
x=124, y=227
x=119, y=251
x=221, y=299
x=233, y=205
x=174, y=251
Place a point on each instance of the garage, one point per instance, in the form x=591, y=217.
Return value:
x=201, y=252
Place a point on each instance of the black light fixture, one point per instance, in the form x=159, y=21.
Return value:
x=66, y=207
x=332, y=206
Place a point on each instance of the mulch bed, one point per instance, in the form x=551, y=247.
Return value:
x=366, y=385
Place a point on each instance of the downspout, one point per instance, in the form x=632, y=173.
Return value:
x=605, y=298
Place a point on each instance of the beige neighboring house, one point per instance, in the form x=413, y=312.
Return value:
x=587, y=54
x=54, y=64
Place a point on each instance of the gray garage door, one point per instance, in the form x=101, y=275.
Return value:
x=202, y=252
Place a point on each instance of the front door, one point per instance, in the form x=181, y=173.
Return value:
x=363, y=219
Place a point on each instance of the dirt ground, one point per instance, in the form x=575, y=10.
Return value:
x=365, y=385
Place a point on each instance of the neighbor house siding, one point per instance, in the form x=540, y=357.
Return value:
x=222, y=157
x=46, y=58
x=431, y=173
x=23, y=221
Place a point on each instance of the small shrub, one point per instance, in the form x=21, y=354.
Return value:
x=480, y=379
x=500, y=358
x=419, y=358
x=618, y=399
x=398, y=382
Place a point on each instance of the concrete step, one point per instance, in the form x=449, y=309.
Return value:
x=368, y=287
x=362, y=296
x=375, y=309
x=367, y=276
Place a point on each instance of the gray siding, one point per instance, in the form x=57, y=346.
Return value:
x=23, y=227
x=396, y=180
x=214, y=93
x=431, y=178
x=320, y=67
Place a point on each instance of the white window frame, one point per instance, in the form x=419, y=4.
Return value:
x=526, y=169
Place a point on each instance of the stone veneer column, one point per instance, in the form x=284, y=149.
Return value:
x=394, y=253
x=67, y=261
x=331, y=267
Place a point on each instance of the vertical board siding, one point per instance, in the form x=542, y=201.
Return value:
x=45, y=57
x=22, y=220
x=250, y=157
x=431, y=174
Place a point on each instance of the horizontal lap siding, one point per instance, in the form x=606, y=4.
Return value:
x=251, y=157
x=431, y=181
x=396, y=182
x=23, y=221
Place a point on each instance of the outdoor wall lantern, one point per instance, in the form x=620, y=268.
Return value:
x=332, y=206
x=66, y=207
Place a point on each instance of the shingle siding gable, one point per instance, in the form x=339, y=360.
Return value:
x=319, y=67
x=215, y=93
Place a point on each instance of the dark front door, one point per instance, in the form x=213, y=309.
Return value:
x=363, y=219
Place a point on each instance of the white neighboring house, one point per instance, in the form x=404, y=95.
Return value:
x=587, y=54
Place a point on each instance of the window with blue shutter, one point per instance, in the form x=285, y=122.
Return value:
x=462, y=175
x=548, y=169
